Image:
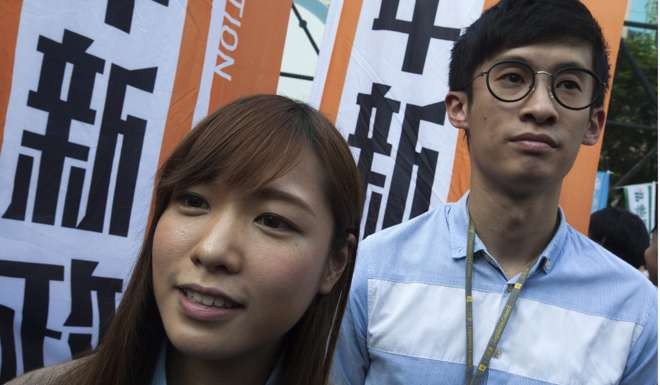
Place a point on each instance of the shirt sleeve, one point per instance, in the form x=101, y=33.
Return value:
x=351, y=360
x=642, y=365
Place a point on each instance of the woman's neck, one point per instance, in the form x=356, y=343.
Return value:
x=248, y=369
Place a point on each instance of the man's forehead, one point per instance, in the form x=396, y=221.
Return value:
x=547, y=56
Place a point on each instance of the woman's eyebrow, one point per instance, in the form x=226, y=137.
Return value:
x=285, y=196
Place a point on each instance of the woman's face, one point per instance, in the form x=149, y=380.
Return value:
x=234, y=271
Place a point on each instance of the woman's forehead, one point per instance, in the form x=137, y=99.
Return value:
x=251, y=174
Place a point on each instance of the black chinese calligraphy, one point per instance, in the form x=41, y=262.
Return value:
x=420, y=30
x=407, y=156
x=55, y=146
x=34, y=316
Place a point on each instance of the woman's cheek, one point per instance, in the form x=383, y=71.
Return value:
x=296, y=273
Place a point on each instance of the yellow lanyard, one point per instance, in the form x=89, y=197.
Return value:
x=472, y=378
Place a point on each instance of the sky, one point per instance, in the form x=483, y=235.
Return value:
x=637, y=10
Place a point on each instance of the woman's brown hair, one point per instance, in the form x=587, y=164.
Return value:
x=245, y=144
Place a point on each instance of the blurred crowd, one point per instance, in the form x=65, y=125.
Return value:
x=625, y=235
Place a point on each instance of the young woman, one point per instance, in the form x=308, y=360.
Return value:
x=246, y=266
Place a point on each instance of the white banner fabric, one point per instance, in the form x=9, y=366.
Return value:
x=87, y=110
x=641, y=200
x=392, y=109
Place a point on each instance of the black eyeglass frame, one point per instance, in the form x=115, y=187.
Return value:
x=598, y=91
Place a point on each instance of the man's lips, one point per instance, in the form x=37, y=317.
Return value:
x=531, y=139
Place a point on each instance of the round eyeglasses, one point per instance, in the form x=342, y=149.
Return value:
x=573, y=88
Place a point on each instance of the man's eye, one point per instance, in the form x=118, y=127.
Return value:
x=569, y=85
x=275, y=222
x=513, y=78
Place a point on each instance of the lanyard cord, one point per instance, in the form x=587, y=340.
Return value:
x=472, y=378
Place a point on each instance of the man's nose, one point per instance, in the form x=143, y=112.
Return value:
x=540, y=104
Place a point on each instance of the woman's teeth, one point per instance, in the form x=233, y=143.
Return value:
x=208, y=300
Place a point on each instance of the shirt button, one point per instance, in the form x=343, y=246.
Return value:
x=547, y=265
x=497, y=354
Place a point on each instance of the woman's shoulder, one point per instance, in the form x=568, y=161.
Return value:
x=47, y=375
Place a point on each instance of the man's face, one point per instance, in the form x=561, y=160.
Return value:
x=531, y=143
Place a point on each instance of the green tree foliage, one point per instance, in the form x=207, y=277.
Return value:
x=622, y=147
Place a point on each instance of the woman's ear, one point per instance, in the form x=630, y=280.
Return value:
x=336, y=264
x=456, y=105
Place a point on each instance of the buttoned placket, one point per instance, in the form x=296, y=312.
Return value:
x=543, y=264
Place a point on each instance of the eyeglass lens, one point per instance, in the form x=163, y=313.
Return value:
x=572, y=87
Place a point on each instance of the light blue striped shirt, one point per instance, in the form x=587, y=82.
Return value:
x=583, y=317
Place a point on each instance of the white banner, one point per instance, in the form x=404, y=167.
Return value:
x=641, y=200
x=392, y=109
x=90, y=94
x=93, y=95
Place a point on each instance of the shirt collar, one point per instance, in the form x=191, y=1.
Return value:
x=275, y=374
x=159, y=377
x=458, y=220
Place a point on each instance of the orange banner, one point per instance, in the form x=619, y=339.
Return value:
x=341, y=53
x=578, y=188
x=188, y=76
x=250, y=43
x=250, y=50
x=10, y=14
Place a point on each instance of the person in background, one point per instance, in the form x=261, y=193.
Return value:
x=621, y=232
x=498, y=288
x=246, y=264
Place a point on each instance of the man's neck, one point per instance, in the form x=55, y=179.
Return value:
x=514, y=229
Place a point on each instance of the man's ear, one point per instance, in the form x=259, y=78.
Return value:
x=456, y=104
x=336, y=264
x=595, y=126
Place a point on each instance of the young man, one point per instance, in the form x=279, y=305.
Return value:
x=498, y=288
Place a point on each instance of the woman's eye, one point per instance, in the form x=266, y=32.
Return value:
x=275, y=222
x=192, y=201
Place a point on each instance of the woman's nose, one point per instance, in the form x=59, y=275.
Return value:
x=219, y=248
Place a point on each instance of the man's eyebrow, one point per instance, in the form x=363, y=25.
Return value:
x=561, y=65
x=285, y=196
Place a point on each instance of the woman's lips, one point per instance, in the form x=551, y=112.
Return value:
x=192, y=308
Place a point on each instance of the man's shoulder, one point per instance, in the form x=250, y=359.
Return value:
x=407, y=252
x=432, y=221
x=602, y=260
x=47, y=375
x=596, y=272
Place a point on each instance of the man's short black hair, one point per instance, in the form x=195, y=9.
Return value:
x=621, y=232
x=516, y=23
